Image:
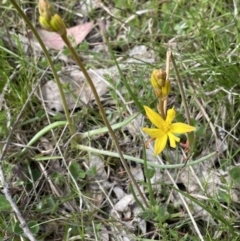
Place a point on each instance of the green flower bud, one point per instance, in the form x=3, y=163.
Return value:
x=44, y=23
x=50, y=21
x=58, y=25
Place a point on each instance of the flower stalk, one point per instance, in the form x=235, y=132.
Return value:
x=165, y=128
x=47, y=13
x=190, y=136
x=56, y=24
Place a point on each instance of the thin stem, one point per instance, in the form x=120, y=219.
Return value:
x=168, y=59
x=190, y=136
x=90, y=82
x=122, y=77
x=62, y=96
x=161, y=108
x=180, y=86
x=150, y=164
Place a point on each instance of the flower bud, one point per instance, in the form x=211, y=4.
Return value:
x=161, y=86
x=58, y=25
x=158, y=78
x=45, y=9
x=50, y=21
x=44, y=23
x=154, y=81
x=166, y=89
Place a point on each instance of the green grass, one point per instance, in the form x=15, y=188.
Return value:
x=67, y=203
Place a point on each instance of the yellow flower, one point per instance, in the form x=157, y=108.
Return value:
x=165, y=129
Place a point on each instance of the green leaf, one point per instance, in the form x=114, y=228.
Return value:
x=76, y=171
x=17, y=229
x=32, y=225
x=235, y=174
x=4, y=204
x=151, y=172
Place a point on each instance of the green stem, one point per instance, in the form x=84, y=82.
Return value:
x=180, y=86
x=150, y=164
x=63, y=99
x=105, y=129
x=90, y=82
x=190, y=136
x=125, y=81
x=148, y=178
x=161, y=108
x=45, y=130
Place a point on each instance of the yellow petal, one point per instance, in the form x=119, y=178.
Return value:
x=173, y=139
x=155, y=118
x=180, y=128
x=155, y=133
x=171, y=113
x=160, y=144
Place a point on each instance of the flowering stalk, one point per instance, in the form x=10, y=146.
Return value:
x=52, y=22
x=165, y=129
x=62, y=96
